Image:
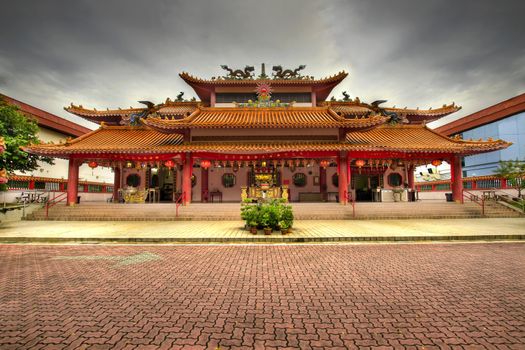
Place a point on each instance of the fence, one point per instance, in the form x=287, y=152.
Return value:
x=469, y=183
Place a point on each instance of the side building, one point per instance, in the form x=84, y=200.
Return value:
x=505, y=120
x=94, y=184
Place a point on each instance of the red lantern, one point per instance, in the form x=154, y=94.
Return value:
x=205, y=164
x=324, y=163
x=3, y=176
x=93, y=164
x=436, y=162
x=360, y=163
x=169, y=163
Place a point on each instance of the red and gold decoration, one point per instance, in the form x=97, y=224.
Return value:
x=436, y=162
x=205, y=163
x=3, y=176
x=263, y=91
x=169, y=163
x=324, y=163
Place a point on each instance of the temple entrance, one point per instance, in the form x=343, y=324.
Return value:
x=364, y=185
x=165, y=180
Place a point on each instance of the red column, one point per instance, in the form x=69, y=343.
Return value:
x=187, y=166
x=116, y=184
x=456, y=178
x=343, y=177
x=204, y=185
x=314, y=99
x=410, y=175
x=322, y=183
x=72, y=182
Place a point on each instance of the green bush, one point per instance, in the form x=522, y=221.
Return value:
x=274, y=213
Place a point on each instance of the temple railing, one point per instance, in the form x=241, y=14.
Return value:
x=24, y=182
x=469, y=183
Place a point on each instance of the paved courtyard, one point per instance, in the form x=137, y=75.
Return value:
x=382, y=296
x=232, y=231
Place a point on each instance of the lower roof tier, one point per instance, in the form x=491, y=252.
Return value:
x=127, y=140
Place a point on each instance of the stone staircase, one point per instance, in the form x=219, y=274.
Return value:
x=302, y=211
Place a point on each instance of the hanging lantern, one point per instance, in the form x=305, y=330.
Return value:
x=205, y=163
x=129, y=164
x=324, y=163
x=169, y=163
x=436, y=162
x=3, y=176
x=93, y=164
x=360, y=163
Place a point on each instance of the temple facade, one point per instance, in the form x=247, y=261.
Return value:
x=263, y=136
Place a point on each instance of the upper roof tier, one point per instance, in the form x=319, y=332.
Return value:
x=255, y=117
x=282, y=80
x=222, y=117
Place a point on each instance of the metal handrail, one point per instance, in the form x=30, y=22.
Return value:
x=54, y=201
x=179, y=202
x=350, y=198
x=507, y=197
x=473, y=198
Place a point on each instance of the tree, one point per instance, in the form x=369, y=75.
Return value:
x=514, y=173
x=18, y=131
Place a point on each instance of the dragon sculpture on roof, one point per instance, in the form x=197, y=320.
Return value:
x=287, y=73
x=238, y=74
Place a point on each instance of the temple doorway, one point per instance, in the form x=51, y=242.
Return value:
x=165, y=180
x=364, y=185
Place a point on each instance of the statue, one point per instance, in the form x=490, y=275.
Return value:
x=346, y=97
x=394, y=117
x=287, y=73
x=238, y=73
x=179, y=97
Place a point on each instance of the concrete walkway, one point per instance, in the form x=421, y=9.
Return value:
x=233, y=232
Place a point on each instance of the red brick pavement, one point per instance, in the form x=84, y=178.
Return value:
x=410, y=296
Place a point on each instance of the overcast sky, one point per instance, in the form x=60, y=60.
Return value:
x=112, y=53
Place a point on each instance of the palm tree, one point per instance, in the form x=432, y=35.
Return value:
x=513, y=172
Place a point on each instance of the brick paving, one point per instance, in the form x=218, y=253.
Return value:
x=395, y=296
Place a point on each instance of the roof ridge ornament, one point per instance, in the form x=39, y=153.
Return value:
x=238, y=74
x=288, y=73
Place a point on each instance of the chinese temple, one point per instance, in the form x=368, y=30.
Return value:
x=262, y=136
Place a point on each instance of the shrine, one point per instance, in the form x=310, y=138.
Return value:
x=263, y=136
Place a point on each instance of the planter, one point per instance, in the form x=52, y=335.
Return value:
x=253, y=230
x=284, y=231
x=267, y=231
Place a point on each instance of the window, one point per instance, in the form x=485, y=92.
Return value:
x=133, y=180
x=299, y=179
x=228, y=180
x=395, y=179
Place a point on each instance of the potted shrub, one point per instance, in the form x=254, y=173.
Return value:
x=287, y=217
x=284, y=227
x=265, y=220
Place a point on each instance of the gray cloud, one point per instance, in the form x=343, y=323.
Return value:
x=113, y=53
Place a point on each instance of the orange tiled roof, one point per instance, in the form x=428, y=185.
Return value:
x=356, y=108
x=113, y=116
x=143, y=140
x=188, y=78
x=417, y=138
x=113, y=139
x=292, y=117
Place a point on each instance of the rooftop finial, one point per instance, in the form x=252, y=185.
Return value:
x=263, y=72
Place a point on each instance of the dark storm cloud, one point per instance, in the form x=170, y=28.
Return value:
x=113, y=53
